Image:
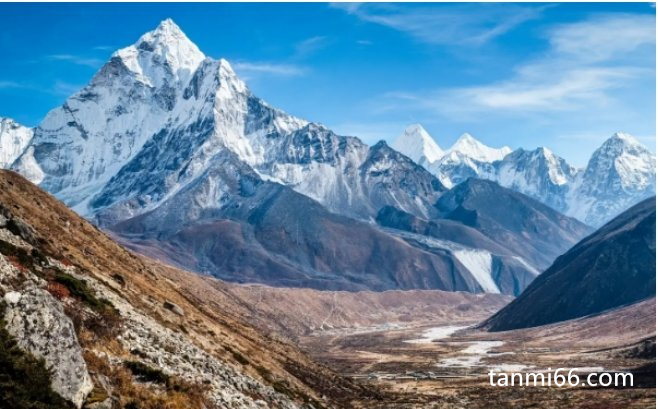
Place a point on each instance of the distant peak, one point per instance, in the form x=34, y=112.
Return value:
x=467, y=145
x=467, y=137
x=544, y=151
x=416, y=143
x=466, y=142
x=626, y=137
x=415, y=128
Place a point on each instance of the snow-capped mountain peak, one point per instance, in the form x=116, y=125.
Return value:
x=474, y=149
x=165, y=48
x=625, y=137
x=632, y=164
x=416, y=143
x=14, y=138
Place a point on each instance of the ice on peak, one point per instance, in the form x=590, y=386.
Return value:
x=226, y=70
x=467, y=138
x=474, y=149
x=168, y=26
x=416, y=143
x=165, y=48
x=545, y=152
x=621, y=144
x=625, y=137
x=416, y=129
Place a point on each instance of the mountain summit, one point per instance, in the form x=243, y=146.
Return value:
x=418, y=145
x=162, y=52
x=474, y=149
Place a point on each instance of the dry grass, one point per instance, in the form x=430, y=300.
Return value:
x=147, y=284
x=167, y=392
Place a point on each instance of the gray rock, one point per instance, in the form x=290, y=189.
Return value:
x=174, y=308
x=35, y=321
x=12, y=297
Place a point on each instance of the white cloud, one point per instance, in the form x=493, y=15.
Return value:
x=248, y=69
x=310, y=46
x=446, y=24
x=76, y=59
x=11, y=84
x=585, y=63
x=104, y=48
x=603, y=38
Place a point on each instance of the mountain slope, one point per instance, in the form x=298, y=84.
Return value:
x=496, y=268
x=265, y=232
x=59, y=273
x=614, y=266
x=519, y=223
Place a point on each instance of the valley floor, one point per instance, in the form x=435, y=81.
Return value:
x=446, y=366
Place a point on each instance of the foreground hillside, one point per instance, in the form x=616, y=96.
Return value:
x=125, y=333
x=613, y=267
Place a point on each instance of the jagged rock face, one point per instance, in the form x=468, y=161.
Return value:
x=35, y=321
x=620, y=173
x=613, y=267
x=35, y=318
x=14, y=138
x=539, y=174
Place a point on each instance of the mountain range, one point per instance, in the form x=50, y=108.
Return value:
x=619, y=174
x=170, y=151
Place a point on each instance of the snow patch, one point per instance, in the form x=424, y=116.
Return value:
x=478, y=262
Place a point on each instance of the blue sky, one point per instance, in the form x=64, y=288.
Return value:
x=564, y=76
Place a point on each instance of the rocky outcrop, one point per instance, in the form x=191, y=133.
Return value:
x=174, y=354
x=38, y=323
